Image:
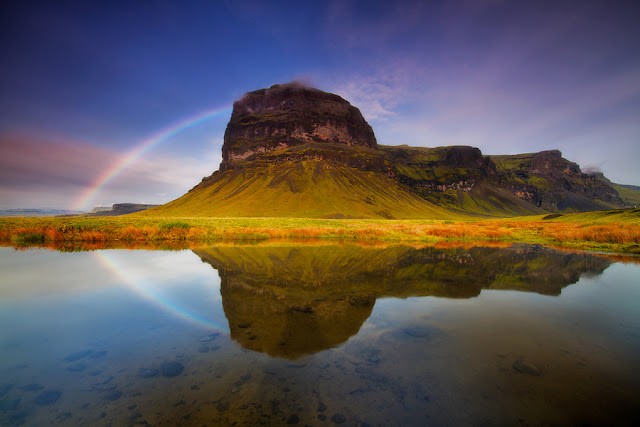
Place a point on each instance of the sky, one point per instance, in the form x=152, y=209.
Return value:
x=121, y=101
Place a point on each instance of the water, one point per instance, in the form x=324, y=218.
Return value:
x=318, y=335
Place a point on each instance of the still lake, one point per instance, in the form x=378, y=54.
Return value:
x=319, y=335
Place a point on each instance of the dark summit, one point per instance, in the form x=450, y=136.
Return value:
x=292, y=114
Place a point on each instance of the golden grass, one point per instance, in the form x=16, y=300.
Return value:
x=616, y=231
x=601, y=233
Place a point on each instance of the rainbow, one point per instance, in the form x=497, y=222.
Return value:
x=112, y=171
x=153, y=294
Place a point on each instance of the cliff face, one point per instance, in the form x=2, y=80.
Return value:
x=288, y=115
x=459, y=178
x=553, y=183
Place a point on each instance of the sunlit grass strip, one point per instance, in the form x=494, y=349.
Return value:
x=616, y=231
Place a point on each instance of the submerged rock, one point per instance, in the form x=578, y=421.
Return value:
x=32, y=387
x=171, y=369
x=114, y=395
x=524, y=367
x=47, y=397
x=210, y=337
x=338, y=418
x=73, y=357
x=9, y=404
x=4, y=388
x=418, y=332
x=97, y=354
x=64, y=416
x=76, y=367
x=148, y=372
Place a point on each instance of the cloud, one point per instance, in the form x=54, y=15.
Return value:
x=37, y=172
x=28, y=160
x=378, y=91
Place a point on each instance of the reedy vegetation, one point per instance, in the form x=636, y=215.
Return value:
x=613, y=231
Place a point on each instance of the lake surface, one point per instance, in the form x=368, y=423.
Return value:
x=318, y=335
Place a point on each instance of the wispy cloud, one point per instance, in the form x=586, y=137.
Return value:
x=36, y=172
x=375, y=97
x=28, y=160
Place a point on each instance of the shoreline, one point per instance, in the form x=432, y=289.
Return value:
x=606, y=231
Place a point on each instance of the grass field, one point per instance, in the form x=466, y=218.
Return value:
x=610, y=231
x=301, y=189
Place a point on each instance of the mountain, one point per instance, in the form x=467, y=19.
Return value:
x=549, y=181
x=459, y=178
x=288, y=301
x=295, y=151
x=119, y=209
x=630, y=194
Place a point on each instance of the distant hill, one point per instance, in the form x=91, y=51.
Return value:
x=549, y=181
x=38, y=212
x=630, y=194
x=119, y=209
x=294, y=151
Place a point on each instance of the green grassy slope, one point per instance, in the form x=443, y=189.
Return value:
x=629, y=193
x=489, y=200
x=307, y=188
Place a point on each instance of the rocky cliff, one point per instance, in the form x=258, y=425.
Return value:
x=289, y=115
x=551, y=182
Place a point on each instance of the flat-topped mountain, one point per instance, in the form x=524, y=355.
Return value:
x=288, y=301
x=120, y=209
x=295, y=151
x=284, y=116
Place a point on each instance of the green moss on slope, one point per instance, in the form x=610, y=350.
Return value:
x=630, y=194
x=307, y=188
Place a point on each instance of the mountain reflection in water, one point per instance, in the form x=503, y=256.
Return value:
x=289, y=301
x=288, y=333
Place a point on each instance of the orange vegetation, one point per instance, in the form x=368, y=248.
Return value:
x=612, y=236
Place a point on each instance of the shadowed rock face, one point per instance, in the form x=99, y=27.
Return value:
x=288, y=115
x=553, y=183
x=291, y=301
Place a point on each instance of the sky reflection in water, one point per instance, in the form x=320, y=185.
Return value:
x=317, y=335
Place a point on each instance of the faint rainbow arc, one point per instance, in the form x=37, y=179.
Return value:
x=118, y=166
x=146, y=292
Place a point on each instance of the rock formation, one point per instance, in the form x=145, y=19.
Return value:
x=295, y=151
x=555, y=184
x=287, y=115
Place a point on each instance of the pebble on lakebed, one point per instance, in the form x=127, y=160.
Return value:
x=525, y=367
x=148, y=372
x=47, y=397
x=171, y=369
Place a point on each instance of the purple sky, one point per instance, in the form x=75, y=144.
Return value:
x=84, y=83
